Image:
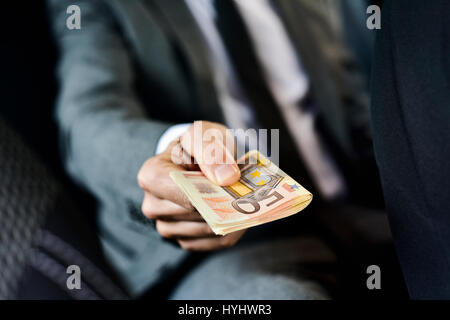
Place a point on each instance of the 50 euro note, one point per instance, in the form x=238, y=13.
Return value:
x=264, y=193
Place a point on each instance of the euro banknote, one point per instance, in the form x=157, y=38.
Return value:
x=263, y=194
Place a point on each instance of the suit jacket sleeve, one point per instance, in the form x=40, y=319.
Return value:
x=105, y=133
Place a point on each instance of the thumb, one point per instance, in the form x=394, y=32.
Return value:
x=222, y=174
x=210, y=145
x=218, y=164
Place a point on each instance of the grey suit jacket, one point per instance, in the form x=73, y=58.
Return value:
x=138, y=66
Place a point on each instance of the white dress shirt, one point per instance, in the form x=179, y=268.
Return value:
x=285, y=77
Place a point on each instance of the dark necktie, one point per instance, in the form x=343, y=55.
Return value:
x=245, y=61
x=239, y=47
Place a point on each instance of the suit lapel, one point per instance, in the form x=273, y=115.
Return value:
x=295, y=15
x=180, y=25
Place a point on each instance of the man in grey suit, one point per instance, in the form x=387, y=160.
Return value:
x=138, y=74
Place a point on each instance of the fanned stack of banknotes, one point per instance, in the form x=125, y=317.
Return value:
x=263, y=194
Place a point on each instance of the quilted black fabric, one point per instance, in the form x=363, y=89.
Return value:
x=41, y=233
x=27, y=194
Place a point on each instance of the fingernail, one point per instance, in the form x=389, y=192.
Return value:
x=224, y=173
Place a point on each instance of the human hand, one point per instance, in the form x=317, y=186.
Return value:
x=205, y=146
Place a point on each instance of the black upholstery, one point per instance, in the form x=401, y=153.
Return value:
x=26, y=195
x=41, y=230
x=41, y=234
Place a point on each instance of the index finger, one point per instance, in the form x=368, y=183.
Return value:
x=154, y=178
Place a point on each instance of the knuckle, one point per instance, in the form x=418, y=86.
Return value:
x=149, y=215
x=184, y=202
x=226, y=242
x=147, y=175
x=188, y=205
x=207, y=230
x=163, y=230
x=141, y=179
x=185, y=245
x=146, y=209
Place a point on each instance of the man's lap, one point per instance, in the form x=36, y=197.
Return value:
x=291, y=268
